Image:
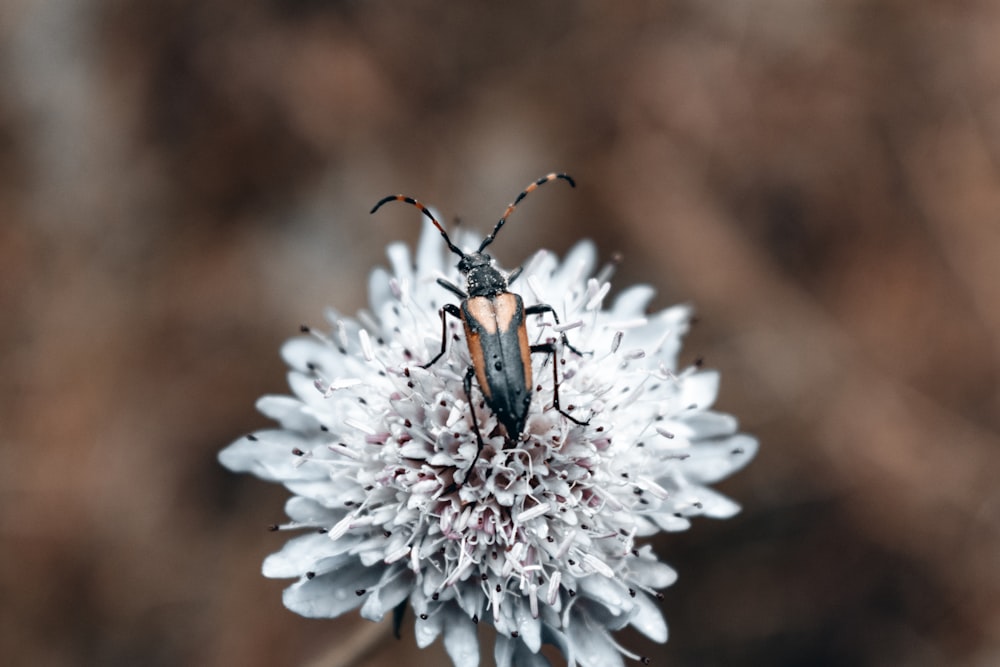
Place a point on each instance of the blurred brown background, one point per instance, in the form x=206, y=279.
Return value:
x=183, y=183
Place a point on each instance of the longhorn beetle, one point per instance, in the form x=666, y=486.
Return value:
x=494, y=321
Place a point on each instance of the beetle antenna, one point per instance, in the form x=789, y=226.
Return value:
x=423, y=209
x=510, y=209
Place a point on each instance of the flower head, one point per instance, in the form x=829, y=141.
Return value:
x=539, y=533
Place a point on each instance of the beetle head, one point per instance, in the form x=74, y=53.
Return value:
x=481, y=277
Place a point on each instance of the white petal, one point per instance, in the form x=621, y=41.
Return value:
x=702, y=425
x=386, y=597
x=592, y=647
x=379, y=292
x=270, y=457
x=528, y=627
x=326, y=492
x=711, y=461
x=298, y=556
x=523, y=657
x=509, y=652
x=399, y=260
x=661, y=337
x=290, y=412
x=572, y=272
x=460, y=640
x=330, y=595
x=648, y=619
x=698, y=391
x=669, y=522
x=503, y=651
x=426, y=630
x=652, y=573
x=608, y=592
x=715, y=504
x=308, y=511
x=632, y=302
x=429, y=252
x=302, y=351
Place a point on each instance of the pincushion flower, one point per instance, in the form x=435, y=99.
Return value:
x=540, y=536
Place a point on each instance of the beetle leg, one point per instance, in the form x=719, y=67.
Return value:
x=467, y=384
x=550, y=349
x=540, y=308
x=453, y=288
x=447, y=309
x=513, y=275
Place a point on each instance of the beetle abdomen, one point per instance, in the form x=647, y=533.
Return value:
x=498, y=343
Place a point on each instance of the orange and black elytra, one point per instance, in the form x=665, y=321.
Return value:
x=494, y=321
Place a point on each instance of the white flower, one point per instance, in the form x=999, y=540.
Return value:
x=541, y=537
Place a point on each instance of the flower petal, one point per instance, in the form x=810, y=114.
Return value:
x=528, y=627
x=386, y=597
x=648, y=619
x=698, y=391
x=509, y=652
x=426, y=630
x=632, y=302
x=308, y=511
x=592, y=646
x=711, y=461
x=269, y=456
x=651, y=572
x=298, y=556
x=460, y=640
x=609, y=592
x=290, y=412
x=329, y=595
x=704, y=425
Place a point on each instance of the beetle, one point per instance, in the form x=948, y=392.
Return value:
x=495, y=332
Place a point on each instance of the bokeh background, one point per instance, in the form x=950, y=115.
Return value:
x=183, y=183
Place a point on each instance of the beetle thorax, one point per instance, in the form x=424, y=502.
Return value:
x=481, y=277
